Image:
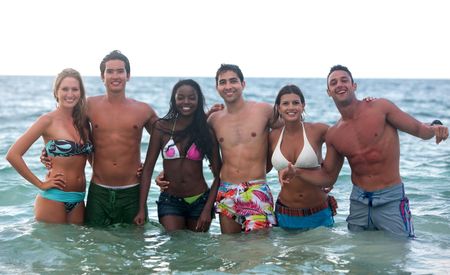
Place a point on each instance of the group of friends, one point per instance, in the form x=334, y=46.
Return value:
x=242, y=140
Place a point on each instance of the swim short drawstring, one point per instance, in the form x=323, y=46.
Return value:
x=370, y=196
x=112, y=199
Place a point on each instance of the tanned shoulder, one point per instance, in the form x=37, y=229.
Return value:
x=46, y=119
x=321, y=126
x=266, y=107
x=94, y=98
x=318, y=127
x=267, y=110
x=331, y=133
x=380, y=103
x=274, y=133
x=214, y=116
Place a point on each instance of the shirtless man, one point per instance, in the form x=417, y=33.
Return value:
x=367, y=134
x=117, y=123
x=244, y=200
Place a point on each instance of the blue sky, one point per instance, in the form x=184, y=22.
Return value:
x=375, y=39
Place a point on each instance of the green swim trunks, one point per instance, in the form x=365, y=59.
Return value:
x=106, y=206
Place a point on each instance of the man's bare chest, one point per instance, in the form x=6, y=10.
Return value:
x=234, y=133
x=116, y=121
x=359, y=136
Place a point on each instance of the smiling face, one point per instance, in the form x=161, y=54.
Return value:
x=229, y=86
x=68, y=92
x=115, y=76
x=341, y=87
x=186, y=100
x=291, y=107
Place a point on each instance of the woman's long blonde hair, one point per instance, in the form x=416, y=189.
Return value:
x=79, y=111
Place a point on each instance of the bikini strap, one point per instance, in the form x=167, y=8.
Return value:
x=173, y=127
x=280, y=139
x=304, y=133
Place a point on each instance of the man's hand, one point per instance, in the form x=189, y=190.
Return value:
x=140, y=217
x=440, y=132
x=369, y=98
x=163, y=184
x=285, y=175
x=204, y=221
x=139, y=170
x=216, y=107
x=46, y=160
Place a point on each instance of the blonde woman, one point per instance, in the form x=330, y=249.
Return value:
x=65, y=132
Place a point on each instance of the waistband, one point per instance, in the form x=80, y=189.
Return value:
x=378, y=197
x=62, y=196
x=301, y=212
x=186, y=199
x=400, y=187
x=116, y=187
x=245, y=183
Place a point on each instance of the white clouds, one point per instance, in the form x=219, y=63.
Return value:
x=191, y=38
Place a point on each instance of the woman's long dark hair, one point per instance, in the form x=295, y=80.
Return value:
x=198, y=131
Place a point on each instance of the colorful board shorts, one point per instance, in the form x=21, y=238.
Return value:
x=176, y=206
x=248, y=203
x=106, y=206
x=306, y=218
x=386, y=209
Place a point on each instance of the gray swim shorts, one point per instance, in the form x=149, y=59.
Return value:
x=386, y=209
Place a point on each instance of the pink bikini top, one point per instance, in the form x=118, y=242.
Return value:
x=170, y=150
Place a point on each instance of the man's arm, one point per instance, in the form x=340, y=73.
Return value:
x=269, y=165
x=274, y=122
x=324, y=176
x=406, y=123
x=152, y=118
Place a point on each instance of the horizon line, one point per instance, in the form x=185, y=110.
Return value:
x=246, y=77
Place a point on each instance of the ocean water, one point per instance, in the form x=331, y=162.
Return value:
x=29, y=247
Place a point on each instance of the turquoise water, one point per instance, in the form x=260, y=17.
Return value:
x=36, y=248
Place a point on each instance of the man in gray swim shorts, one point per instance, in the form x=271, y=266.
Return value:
x=367, y=135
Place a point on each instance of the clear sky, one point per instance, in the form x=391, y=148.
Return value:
x=298, y=38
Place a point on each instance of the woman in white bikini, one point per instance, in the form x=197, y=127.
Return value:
x=299, y=205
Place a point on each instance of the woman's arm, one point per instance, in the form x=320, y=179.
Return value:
x=147, y=171
x=21, y=146
x=204, y=220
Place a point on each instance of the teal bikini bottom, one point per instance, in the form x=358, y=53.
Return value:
x=70, y=199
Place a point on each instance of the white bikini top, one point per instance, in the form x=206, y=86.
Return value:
x=306, y=159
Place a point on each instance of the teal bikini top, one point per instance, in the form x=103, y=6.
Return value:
x=67, y=148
